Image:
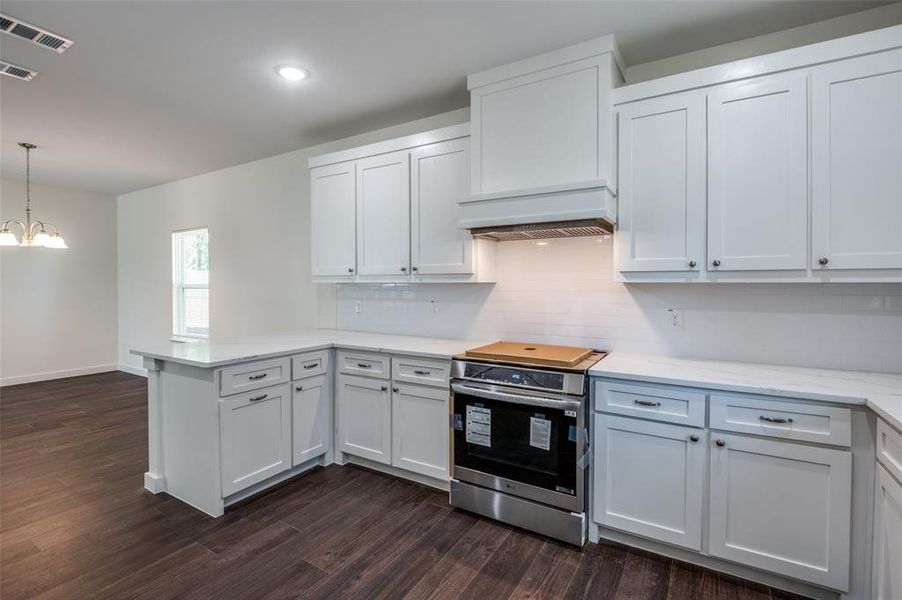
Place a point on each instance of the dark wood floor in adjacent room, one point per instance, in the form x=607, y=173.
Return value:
x=76, y=523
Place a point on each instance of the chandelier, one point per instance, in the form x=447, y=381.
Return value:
x=34, y=233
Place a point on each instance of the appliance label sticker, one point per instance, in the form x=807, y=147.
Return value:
x=540, y=433
x=479, y=426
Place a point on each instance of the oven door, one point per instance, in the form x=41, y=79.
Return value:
x=520, y=442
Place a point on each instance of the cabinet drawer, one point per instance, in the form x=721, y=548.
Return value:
x=253, y=376
x=889, y=448
x=310, y=364
x=424, y=372
x=659, y=403
x=782, y=419
x=368, y=364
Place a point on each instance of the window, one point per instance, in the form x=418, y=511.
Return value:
x=191, y=283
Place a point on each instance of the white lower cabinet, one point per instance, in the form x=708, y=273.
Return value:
x=364, y=417
x=255, y=437
x=420, y=429
x=782, y=507
x=887, y=565
x=311, y=409
x=650, y=479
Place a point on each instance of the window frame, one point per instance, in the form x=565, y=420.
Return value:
x=178, y=286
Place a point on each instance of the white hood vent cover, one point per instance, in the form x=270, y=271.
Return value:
x=17, y=71
x=33, y=34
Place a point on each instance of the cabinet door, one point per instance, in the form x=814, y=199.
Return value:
x=420, y=429
x=364, y=417
x=856, y=163
x=383, y=209
x=887, y=537
x=440, y=178
x=781, y=507
x=333, y=225
x=311, y=416
x=650, y=478
x=255, y=432
x=660, y=221
x=758, y=175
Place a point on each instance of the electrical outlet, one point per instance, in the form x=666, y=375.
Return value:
x=675, y=317
x=358, y=307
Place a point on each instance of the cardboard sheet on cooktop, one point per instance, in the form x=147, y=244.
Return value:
x=537, y=354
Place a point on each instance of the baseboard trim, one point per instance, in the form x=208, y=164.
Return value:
x=133, y=370
x=49, y=375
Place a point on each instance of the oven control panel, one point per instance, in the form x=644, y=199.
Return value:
x=537, y=379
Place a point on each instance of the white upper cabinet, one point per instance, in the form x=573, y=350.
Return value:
x=383, y=208
x=333, y=200
x=542, y=137
x=857, y=163
x=661, y=219
x=439, y=179
x=389, y=212
x=758, y=174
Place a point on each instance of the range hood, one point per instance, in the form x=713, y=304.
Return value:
x=540, y=231
x=542, y=145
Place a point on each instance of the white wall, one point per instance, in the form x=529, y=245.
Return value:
x=58, y=307
x=258, y=216
x=867, y=20
x=565, y=293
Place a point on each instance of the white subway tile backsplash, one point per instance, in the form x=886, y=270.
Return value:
x=565, y=293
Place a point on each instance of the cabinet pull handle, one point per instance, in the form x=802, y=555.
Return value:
x=421, y=372
x=310, y=366
x=716, y=262
x=255, y=377
x=823, y=260
x=300, y=388
x=646, y=402
x=364, y=366
x=256, y=398
x=384, y=388
x=693, y=438
x=394, y=389
x=720, y=443
x=774, y=419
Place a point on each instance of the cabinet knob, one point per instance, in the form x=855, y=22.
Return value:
x=384, y=388
x=691, y=263
x=716, y=262
x=823, y=260
x=300, y=388
x=414, y=269
x=350, y=270
x=693, y=438
x=720, y=443
x=403, y=269
x=394, y=389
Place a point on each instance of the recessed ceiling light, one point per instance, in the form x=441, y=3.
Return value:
x=292, y=72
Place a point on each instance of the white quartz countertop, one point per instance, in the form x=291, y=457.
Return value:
x=882, y=392
x=225, y=352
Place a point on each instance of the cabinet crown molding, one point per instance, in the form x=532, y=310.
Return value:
x=859, y=44
x=393, y=145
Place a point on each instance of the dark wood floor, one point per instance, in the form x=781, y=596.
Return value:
x=76, y=523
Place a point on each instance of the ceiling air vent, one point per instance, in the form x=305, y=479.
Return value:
x=17, y=71
x=33, y=34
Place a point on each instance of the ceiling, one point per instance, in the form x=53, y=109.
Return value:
x=153, y=91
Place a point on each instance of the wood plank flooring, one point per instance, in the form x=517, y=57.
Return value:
x=76, y=523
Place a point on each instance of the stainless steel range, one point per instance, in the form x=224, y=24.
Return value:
x=520, y=444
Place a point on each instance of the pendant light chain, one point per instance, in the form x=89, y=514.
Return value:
x=28, y=185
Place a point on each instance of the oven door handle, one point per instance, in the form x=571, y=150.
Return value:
x=516, y=398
